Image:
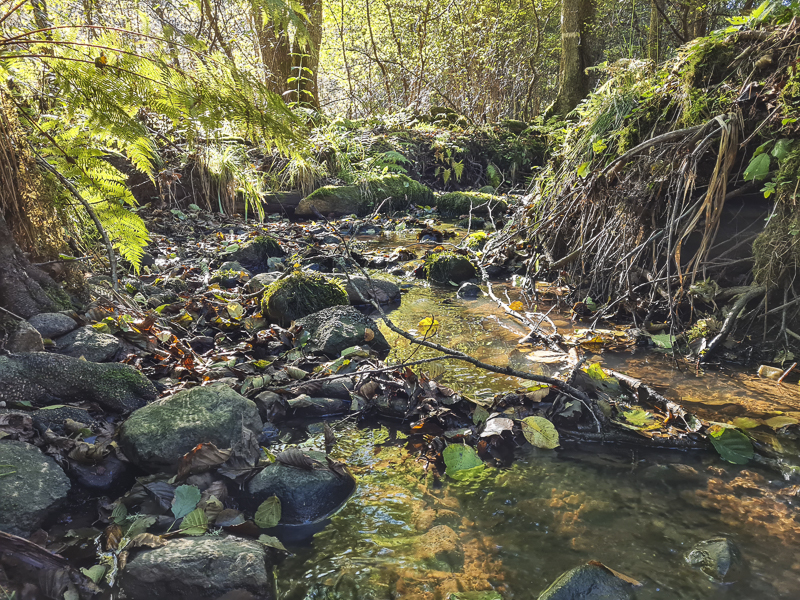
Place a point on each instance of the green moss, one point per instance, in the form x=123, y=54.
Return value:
x=59, y=297
x=477, y=240
x=299, y=295
x=455, y=204
x=446, y=267
x=391, y=192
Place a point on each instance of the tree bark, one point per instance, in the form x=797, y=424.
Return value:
x=577, y=18
x=307, y=56
x=654, y=32
x=275, y=49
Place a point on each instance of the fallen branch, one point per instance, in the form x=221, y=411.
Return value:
x=730, y=322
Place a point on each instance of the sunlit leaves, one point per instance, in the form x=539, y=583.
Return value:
x=732, y=445
x=268, y=513
x=428, y=326
x=540, y=432
x=461, y=461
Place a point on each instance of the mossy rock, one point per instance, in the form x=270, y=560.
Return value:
x=390, y=192
x=446, y=267
x=455, y=204
x=514, y=126
x=475, y=223
x=477, y=240
x=254, y=254
x=487, y=189
x=299, y=295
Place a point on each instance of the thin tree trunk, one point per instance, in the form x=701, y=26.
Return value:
x=654, y=33
x=576, y=23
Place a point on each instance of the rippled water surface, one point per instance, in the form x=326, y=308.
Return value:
x=407, y=533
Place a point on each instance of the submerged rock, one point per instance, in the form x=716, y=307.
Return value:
x=455, y=204
x=202, y=568
x=299, y=295
x=440, y=549
x=588, y=582
x=32, y=485
x=390, y=192
x=306, y=495
x=446, y=267
x=52, y=325
x=717, y=557
x=469, y=291
x=90, y=344
x=44, y=379
x=157, y=436
x=254, y=255
x=339, y=327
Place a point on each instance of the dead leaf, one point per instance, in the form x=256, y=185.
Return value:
x=200, y=459
x=148, y=540
x=369, y=335
x=339, y=468
x=496, y=426
x=616, y=574
x=292, y=457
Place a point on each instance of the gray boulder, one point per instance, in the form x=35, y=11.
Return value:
x=25, y=338
x=44, y=379
x=468, y=291
x=200, y=568
x=717, y=558
x=32, y=485
x=259, y=282
x=306, y=495
x=52, y=325
x=157, y=436
x=588, y=582
x=90, y=344
x=339, y=327
x=380, y=290
x=306, y=406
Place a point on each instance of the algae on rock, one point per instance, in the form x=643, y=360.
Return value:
x=299, y=295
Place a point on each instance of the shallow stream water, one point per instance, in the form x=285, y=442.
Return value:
x=409, y=533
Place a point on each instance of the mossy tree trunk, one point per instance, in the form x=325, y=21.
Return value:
x=654, y=32
x=577, y=20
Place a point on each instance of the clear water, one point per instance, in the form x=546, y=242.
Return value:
x=409, y=533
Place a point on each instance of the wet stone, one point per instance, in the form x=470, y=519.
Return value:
x=53, y=325
x=306, y=495
x=89, y=344
x=337, y=328
x=588, y=582
x=200, y=568
x=32, y=486
x=55, y=419
x=469, y=291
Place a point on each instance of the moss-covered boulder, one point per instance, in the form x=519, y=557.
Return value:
x=44, y=379
x=300, y=294
x=446, y=267
x=254, y=254
x=477, y=240
x=389, y=192
x=157, y=436
x=382, y=291
x=339, y=327
x=32, y=485
x=455, y=204
x=203, y=568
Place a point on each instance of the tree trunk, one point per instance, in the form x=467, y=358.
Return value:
x=576, y=22
x=306, y=56
x=654, y=33
x=275, y=49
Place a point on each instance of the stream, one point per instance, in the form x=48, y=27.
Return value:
x=413, y=534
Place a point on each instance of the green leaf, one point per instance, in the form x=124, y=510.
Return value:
x=638, y=417
x=781, y=421
x=540, y=432
x=595, y=371
x=269, y=513
x=95, y=573
x=663, y=340
x=599, y=146
x=758, y=168
x=272, y=542
x=782, y=148
x=745, y=423
x=119, y=513
x=195, y=523
x=583, y=170
x=480, y=415
x=460, y=458
x=186, y=499
x=235, y=310
x=732, y=445
x=590, y=304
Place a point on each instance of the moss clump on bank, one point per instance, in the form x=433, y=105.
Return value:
x=455, y=204
x=446, y=267
x=299, y=295
x=389, y=192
